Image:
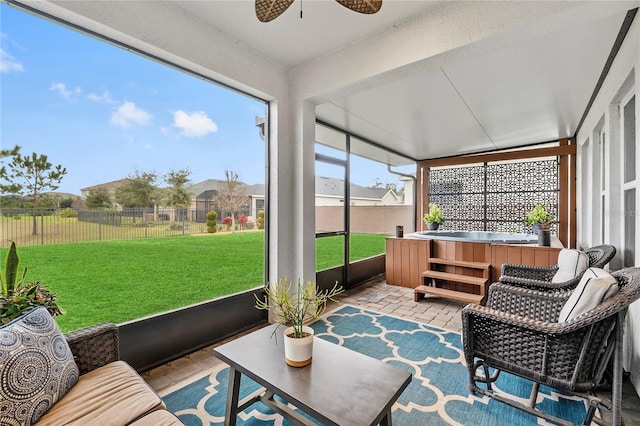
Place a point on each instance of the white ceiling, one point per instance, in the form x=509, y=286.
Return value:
x=289, y=40
x=521, y=94
x=510, y=92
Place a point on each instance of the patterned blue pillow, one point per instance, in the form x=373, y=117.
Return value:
x=36, y=367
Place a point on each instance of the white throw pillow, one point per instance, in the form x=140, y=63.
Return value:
x=571, y=263
x=596, y=286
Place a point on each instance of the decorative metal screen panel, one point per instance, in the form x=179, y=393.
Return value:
x=459, y=191
x=494, y=196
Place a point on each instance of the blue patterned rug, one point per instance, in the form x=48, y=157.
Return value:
x=437, y=395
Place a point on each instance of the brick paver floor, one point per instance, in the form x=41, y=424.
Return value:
x=378, y=296
x=375, y=295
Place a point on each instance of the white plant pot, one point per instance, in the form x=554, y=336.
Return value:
x=298, y=351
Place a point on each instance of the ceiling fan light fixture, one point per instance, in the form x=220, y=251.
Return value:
x=362, y=6
x=268, y=10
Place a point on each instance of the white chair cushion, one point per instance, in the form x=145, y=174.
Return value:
x=596, y=286
x=571, y=263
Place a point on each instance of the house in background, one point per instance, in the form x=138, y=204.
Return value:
x=203, y=199
x=329, y=192
x=109, y=186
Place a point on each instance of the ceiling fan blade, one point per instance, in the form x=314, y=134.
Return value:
x=362, y=6
x=268, y=10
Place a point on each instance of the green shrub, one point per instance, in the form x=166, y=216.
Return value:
x=260, y=219
x=26, y=297
x=212, y=226
x=68, y=212
x=18, y=297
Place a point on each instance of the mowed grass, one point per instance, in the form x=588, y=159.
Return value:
x=121, y=280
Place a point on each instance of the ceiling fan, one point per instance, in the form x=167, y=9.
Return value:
x=268, y=10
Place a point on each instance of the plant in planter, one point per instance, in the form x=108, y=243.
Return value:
x=539, y=216
x=540, y=220
x=292, y=307
x=434, y=218
x=18, y=297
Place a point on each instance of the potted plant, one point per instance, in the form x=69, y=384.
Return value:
x=540, y=221
x=18, y=297
x=292, y=307
x=434, y=218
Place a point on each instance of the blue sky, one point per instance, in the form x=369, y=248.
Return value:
x=103, y=112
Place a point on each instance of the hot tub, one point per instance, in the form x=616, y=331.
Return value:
x=477, y=237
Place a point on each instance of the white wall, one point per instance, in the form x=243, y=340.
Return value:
x=623, y=79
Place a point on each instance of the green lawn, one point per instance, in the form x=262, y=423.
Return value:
x=121, y=280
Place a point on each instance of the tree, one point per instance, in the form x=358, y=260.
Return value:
x=98, y=198
x=377, y=183
x=177, y=192
x=232, y=196
x=388, y=186
x=8, y=188
x=34, y=174
x=57, y=200
x=137, y=190
x=9, y=152
x=66, y=203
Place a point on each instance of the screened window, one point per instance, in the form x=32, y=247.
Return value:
x=359, y=201
x=109, y=116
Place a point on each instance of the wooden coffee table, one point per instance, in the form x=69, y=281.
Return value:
x=340, y=387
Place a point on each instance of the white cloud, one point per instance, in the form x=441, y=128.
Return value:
x=8, y=64
x=104, y=97
x=62, y=90
x=194, y=124
x=128, y=114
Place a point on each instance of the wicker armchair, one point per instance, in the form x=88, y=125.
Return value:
x=94, y=346
x=517, y=332
x=539, y=278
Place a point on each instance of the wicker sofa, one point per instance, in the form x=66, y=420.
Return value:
x=72, y=379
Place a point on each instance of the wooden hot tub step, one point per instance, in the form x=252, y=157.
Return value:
x=460, y=296
x=462, y=263
x=467, y=279
x=459, y=272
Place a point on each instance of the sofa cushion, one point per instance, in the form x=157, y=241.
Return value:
x=158, y=418
x=596, y=286
x=113, y=394
x=571, y=263
x=36, y=367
